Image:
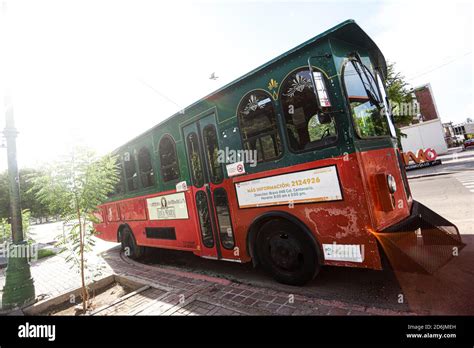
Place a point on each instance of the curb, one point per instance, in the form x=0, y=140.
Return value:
x=431, y=174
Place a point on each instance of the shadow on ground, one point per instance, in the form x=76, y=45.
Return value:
x=447, y=292
x=357, y=286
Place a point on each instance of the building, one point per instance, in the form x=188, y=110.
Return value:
x=463, y=131
x=425, y=129
x=421, y=108
x=427, y=106
x=449, y=136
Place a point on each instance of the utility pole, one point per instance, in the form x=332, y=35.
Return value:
x=19, y=290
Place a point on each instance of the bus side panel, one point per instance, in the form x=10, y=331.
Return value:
x=344, y=222
x=107, y=231
x=380, y=163
x=107, y=228
x=134, y=213
x=133, y=210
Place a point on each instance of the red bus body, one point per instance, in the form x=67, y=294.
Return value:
x=363, y=216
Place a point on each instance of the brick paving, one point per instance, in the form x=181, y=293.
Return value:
x=174, y=292
x=54, y=276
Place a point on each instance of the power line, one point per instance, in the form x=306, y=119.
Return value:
x=160, y=94
x=439, y=66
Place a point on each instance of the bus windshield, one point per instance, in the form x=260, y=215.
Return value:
x=368, y=109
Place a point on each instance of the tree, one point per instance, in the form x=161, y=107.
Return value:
x=74, y=188
x=4, y=196
x=398, y=92
x=28, y=198
x=6, y=228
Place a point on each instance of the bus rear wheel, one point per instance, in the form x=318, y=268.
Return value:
x=287, y=253
x=129, y=244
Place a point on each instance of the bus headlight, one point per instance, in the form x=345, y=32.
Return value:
x=392, y=185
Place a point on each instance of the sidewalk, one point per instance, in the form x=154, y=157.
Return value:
x=175, y=292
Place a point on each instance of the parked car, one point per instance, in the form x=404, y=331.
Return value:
x=468, y=143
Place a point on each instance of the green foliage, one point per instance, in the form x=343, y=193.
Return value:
x=317, y=130
x=196, y=167
x=398, y=92
x=6, y=228
x=28, y=198
x=76, y=185
x=74, y=188
x=4, y=196
x=25, y=220
x=42, y=253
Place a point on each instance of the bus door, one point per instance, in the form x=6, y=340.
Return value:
x=210, y=194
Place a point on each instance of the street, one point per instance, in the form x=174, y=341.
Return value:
x=450, y=290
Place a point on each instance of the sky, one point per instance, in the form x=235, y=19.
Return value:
x=98, y=73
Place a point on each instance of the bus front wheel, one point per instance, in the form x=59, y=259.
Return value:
x=287, y=253
x=129, y=244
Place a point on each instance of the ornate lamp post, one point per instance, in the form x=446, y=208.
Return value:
x=19, y=289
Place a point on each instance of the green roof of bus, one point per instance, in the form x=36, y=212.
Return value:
x=352, y=28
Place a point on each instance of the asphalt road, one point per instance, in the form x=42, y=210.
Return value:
x=451, y=289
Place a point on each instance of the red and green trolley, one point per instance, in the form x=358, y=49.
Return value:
x=292, y=166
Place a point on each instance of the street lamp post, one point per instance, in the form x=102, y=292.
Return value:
x=19, y=290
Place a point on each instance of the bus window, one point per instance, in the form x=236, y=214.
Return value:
x=204, y=219
x=168, y=159
x=130, y=172
x=305, y=128
x=147, y=176
x=365, y=100
x=258, y=126
x=226, y=234
x=211, y=150
x=195, y=159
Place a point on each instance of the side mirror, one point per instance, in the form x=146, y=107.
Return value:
x=319, y=86
x=320, y=89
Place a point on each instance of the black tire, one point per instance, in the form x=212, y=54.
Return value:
x=129, y=244
x=287, y=253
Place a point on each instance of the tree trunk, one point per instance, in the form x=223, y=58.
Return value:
x=85, y=295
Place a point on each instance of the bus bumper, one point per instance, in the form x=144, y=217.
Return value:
x=423, y=242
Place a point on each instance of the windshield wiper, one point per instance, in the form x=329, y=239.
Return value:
x=369, y=90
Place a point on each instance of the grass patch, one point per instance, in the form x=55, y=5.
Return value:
x=42, y=253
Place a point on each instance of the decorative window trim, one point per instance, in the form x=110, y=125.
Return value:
x=252, y=105
x=298, y=85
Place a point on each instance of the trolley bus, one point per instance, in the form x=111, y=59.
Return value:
x=292, y=166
